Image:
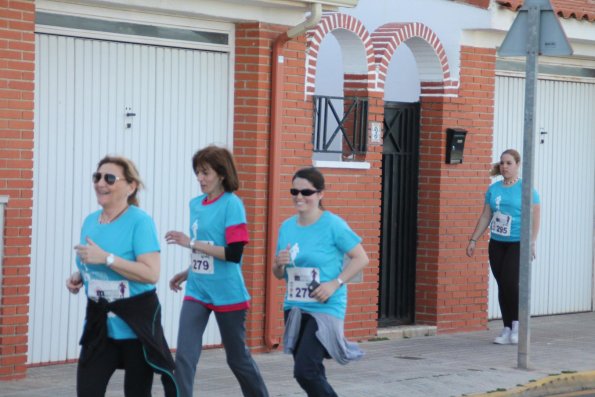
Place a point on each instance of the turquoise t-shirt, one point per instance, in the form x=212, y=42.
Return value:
x=321, y=246
x=132, y=234
x=220, y=287
x=506, y=202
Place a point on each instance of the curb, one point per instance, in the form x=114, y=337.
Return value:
x=548, y=386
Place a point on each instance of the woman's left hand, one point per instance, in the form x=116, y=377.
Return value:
x=91, y=254
x=325, y=291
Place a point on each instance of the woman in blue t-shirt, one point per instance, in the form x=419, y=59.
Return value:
x=502, y=213
x=118, y=263
x=310, y=256
x=214, y=281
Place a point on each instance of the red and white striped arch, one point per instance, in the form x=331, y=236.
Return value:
x=356, y=47
x=430, y=56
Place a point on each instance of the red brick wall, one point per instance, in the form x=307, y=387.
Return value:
x=348, y=193
x=451, y=289
x=17, y=65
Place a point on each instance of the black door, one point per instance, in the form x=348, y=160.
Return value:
x=400, y=158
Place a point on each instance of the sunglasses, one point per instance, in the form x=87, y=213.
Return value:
x=304, y=192
x=110, y=179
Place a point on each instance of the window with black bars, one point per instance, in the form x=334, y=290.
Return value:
x=340, y=126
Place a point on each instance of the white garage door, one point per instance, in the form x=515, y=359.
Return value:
x=564, y=172
x=85, y=88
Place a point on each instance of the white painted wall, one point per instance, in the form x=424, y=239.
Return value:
x=403, y=79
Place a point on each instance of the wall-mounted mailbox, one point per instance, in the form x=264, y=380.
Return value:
x=455, y=144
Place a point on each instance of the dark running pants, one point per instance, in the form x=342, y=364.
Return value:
x=232, y=325
x=93, y=377
x=308, y=356
x=504, y=262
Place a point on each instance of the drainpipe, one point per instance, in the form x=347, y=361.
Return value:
x=278, y=75
x=3, y=204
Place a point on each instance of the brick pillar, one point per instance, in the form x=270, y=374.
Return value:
x=251, y=137
x=451, y=289
x=356, y=196
x=17, y=65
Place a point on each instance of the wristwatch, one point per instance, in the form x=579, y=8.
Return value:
x=109, y=261
x=341, y=282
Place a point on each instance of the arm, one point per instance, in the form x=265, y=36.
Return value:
x=358, y=260
x=482, y=224
x=535, y=227
x=179, y=238
x=145, y=269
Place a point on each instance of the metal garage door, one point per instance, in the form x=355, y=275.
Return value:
x=85, y=88
x=562, y=274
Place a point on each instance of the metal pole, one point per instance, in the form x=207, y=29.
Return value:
x=534, y=14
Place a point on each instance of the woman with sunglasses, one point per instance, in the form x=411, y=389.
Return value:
x=214, y=281
x=118, y=264
x=310, y=252
x=502, y=214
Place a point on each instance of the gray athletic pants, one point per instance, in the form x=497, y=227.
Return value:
x=232, y=325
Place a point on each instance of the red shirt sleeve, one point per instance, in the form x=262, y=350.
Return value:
x=237, y=234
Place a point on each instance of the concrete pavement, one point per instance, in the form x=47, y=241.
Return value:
x=562, y=356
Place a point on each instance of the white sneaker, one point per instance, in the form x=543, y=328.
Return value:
x=514, y=333
x=504, y=338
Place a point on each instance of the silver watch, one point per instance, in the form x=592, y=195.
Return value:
x=109, y=261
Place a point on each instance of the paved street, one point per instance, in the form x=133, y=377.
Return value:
x=438, y=366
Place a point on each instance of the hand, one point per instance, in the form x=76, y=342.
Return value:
x=179, y=238
x=471, y=248
x=74, y=283
x=175, y=284
x=325, y=291
x=91, y=254
x=282, y=259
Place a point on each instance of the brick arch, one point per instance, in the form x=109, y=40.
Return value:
x=432, y=62
x=356, y=46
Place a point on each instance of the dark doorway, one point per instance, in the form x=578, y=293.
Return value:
x=400, y=170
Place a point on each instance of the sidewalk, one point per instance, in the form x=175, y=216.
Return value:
x=435, y=366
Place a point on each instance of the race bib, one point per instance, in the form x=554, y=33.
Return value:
x=298, y=281
x=202, y=263
x=501, y=224
x=108, y=290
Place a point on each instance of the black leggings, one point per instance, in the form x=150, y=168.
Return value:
x=93, y=377
x=504, y=261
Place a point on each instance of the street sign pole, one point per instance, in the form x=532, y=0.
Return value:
x=535, y=31
x=527, y=188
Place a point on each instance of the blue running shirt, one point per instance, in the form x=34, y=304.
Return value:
x=129, y=236
x=506, y=202
x=222, y=288
x=322, y=245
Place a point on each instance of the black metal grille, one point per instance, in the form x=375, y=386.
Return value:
x=340, y=125
x=400, y=168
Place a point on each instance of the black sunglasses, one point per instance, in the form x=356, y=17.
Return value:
x=110, y=179
x=304, y=192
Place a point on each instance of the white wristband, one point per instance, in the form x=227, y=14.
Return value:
x=340, y=281
x=191, y=245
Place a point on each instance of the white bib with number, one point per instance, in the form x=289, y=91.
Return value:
x=298, y=279
x=501, y=224
x=201, y=262
x=109, y=290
